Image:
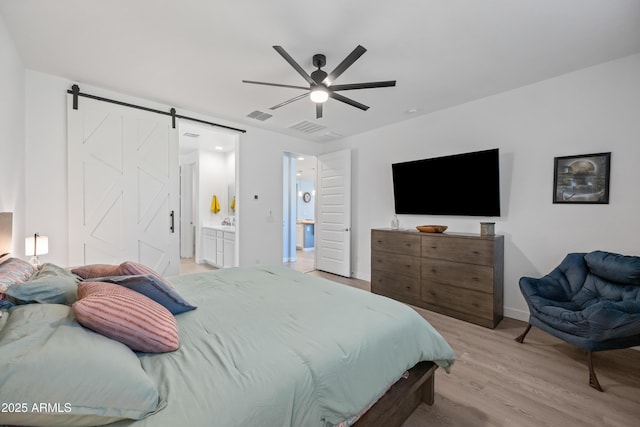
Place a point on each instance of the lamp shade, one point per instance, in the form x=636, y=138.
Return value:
x=36, y=245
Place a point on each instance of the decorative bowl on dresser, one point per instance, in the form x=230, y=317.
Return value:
x=457, y=274
x=432, y=228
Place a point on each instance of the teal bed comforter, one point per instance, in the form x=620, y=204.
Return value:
x=269, y=346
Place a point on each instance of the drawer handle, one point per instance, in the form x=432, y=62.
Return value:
x=475, y=252
x=434, y=247
x=433, y=270
x=475, y=279
x=408, y=288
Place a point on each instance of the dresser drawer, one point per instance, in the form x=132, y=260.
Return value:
x=385, y=283
x=208, y=232
x=477, y=304
x=395, y=263
x=396, y=242
x=468, y=276
x=474, y=251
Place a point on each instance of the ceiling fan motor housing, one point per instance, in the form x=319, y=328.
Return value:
x=318, y=76
x=319, y=60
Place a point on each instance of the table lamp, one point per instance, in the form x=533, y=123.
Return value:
x=34, y=246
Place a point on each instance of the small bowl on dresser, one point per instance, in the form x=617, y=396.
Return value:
x=432, y=228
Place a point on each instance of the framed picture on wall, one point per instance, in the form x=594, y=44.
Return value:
x=582, y=179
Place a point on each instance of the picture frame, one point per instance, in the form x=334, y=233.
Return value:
x=582, y=179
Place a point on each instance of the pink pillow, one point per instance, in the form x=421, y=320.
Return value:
x=13, y=271
x=91, y=271
x=127, y=268
x=126, y=316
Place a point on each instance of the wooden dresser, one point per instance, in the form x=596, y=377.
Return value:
x=460, y=275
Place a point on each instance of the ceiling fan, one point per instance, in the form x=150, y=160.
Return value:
x=321, y=86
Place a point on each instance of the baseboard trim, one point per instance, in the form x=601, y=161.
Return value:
x=516, y=314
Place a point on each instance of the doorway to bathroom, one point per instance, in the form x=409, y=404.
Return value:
x=299, y=201
x=208, y=205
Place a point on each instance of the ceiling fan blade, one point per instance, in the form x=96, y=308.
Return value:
x=274, y=84
x=289, y=101
x=318, y=111
x=294, y=64
x=346, y=63
x=369, y=85
x=349, y=101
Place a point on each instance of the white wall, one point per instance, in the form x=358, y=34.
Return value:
x=306, y=210
x=46, y=162
x=259, y=151
x=590, y=111
x=12, y=136
x=261, y=173
x=231, y=180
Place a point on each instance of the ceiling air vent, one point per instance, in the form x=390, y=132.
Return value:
x=307, y=127
x=192, y=135
x=259, y=115
x=330, y=136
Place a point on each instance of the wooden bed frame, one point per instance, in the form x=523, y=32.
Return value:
x=392, y=409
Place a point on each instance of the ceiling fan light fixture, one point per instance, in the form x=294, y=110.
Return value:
x=319, y=95
x=321, y=86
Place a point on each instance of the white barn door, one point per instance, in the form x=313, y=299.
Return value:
x=123, y=186
x=333, y=234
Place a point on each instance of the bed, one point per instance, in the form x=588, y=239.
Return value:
x=260, y=346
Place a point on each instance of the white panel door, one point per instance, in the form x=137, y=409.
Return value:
x=123, y=186
x=333, y=223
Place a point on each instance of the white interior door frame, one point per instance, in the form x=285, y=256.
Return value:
x=289, y=207
x=333, y=219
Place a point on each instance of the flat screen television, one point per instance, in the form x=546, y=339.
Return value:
x=463, y=184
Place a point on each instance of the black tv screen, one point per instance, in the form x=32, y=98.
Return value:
x=463, y=184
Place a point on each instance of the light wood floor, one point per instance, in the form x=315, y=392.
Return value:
x=496, y=381
x=305, y=261
x=188, y=266
x=543, y=382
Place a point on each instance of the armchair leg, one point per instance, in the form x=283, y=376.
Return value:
x=593, y=380
x=520, y=338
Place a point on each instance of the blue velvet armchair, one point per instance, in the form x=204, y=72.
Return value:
x=590, y=300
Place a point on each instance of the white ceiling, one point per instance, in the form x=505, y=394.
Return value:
x=306, y=168
x=198, y=137
x=193, y=54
